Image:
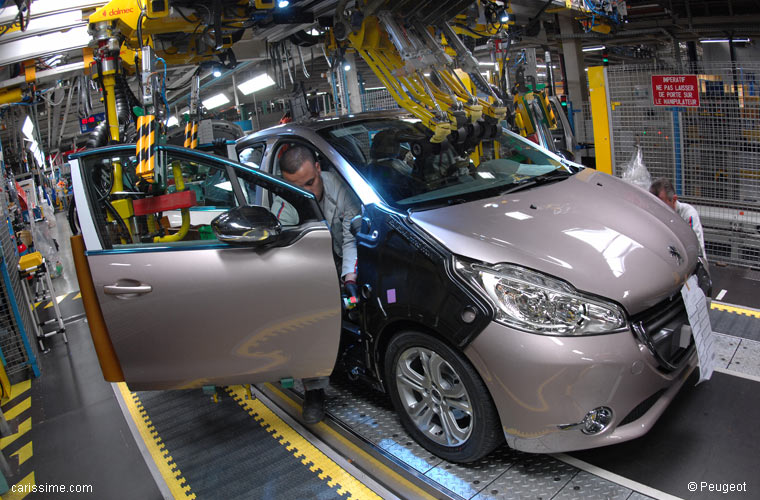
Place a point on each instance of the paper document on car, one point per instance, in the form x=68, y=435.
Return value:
x=696, y=308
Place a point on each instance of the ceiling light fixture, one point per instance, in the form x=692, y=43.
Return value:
x=724, y=40
x=255, y=84
x=593, y=49
x=28, y=128
x=215, y=101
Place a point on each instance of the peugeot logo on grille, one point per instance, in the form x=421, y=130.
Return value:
x=674, y=253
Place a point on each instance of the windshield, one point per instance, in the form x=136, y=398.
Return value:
x=396, y=157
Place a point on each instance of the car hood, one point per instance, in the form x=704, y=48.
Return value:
x=600, y=234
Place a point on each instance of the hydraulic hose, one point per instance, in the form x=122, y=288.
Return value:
x=99, y=136
x=179, y=183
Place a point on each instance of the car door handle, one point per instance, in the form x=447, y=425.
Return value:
x=127, y=290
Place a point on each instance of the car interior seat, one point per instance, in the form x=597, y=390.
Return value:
x=350, y=149
x=386, y=171
x=385, y=151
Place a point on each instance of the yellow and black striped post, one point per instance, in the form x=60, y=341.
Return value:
x=194, y=136
x=188, y=133
x=146, y=139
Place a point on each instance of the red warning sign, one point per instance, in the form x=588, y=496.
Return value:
x=675, y=90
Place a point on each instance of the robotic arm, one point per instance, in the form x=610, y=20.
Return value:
x=417, y=54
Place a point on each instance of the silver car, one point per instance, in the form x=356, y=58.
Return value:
x=524, y=299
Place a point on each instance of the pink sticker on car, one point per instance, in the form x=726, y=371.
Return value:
x=391, y=294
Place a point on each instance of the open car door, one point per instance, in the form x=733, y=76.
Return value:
x=184, y=309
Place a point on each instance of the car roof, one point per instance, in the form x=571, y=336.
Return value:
x=322, y=123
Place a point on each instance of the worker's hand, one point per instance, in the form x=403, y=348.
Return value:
x=349, y=282
x=349, y=277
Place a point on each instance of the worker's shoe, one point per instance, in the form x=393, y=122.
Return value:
x=314, y=406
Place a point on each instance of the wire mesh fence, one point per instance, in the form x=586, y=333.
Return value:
x=11, y=343
x=586, y=131
x=711, y=153
x=377, y=99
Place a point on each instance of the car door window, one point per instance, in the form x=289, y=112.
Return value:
x=293, y=208
x=252, y=155
x=191, y=190
x=111, y=184
x=210, y=183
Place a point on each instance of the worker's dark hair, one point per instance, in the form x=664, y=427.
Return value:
x=294, y=158
x=662, y=184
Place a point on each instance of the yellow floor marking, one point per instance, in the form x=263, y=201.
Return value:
x=77, y=296
x=419, y=493
x=734, y=309
x=24, y=453
x=164, y=462
x=24, y=486
x=321, y=464
x=23, y=428
x=61, y=297
x=19, y=389
x=50, y=304
x=40, y=303
x=18, y=409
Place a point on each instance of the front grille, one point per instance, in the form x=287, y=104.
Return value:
x=642, y=408
x=659, y=328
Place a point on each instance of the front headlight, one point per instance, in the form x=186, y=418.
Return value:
x=538, y=303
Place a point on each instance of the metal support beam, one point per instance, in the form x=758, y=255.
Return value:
x=49, y=7
x=57, y=145
x=677, y=54
x=237, y=99
x=572, y=52
x=42, y=26
x=352, y=85
x=52, y=43
x=256, y=110
x=48, y=75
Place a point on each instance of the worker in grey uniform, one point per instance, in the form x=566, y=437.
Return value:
x=339, y=206
x=663, y=189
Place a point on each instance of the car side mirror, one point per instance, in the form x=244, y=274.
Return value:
x=248, y=226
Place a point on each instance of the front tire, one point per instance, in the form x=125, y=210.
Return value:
x=440, y=398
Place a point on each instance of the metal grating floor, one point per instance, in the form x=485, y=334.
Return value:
x=504, y=474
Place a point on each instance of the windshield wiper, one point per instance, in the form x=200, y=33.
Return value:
x=455, y=201
x=547, y=178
